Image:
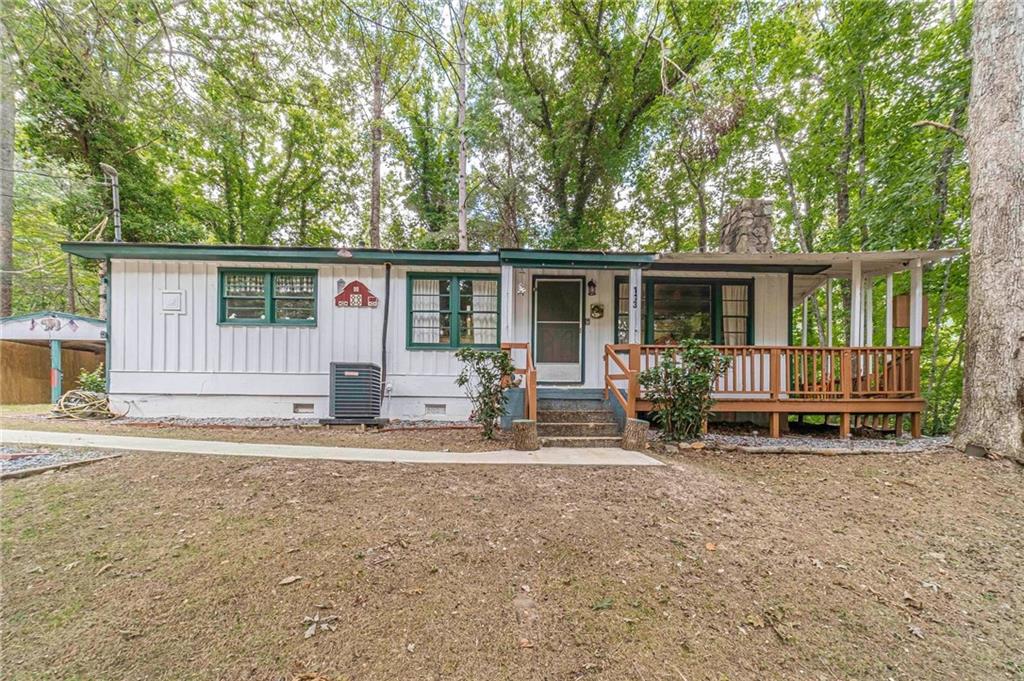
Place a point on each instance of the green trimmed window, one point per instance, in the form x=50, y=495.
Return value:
x=718, y=311
x=282, y=297
x=452, y=311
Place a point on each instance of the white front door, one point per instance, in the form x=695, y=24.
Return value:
x=558, y=330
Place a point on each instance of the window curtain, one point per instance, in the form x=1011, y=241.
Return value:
x=426, y=320
x=734, y=314
x=485, y=308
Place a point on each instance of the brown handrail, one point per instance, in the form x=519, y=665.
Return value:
x=609, y=379
x=778, y=372
x=529, y=374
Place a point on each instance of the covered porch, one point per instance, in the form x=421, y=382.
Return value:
x=854, y=381
x=756, y=309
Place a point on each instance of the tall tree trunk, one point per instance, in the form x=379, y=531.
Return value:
x=6, y=173
x=941, y=189
x=702, y=212
x=376, y=138
x=843, y=169
x=862, y=161
x=463, y=230
x=676, y=242
x=992, y=407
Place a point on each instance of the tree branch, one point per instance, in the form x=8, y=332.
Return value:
x=941, y=126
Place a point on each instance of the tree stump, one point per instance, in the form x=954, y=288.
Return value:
x=634, y=435
x=524, y=435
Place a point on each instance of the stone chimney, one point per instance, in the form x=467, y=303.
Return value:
x=747, y=227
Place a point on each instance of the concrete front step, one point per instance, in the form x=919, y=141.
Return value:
x=575, y=416
x=580, y=441
x=570, y=404
x=578, y=429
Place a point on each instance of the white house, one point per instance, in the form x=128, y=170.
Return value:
x=209, y=330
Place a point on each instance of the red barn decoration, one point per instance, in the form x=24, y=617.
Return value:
x=355, y=294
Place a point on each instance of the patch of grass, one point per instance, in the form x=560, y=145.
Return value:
x=64, y=614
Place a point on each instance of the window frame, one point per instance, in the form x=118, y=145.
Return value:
x=453, y=312
x=268, y=297
x=716, y=284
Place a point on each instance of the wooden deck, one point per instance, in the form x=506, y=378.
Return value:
x=783, y=380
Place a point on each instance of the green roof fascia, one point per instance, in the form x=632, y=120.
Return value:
x=575, y=259
x=275, y=254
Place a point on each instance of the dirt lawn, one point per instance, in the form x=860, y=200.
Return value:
x=717, y=567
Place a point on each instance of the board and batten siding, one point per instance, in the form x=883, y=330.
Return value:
x=161, y=361
x=154, y=352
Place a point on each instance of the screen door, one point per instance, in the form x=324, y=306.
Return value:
x=558, y=330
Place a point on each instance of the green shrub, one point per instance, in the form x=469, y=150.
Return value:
x=485, y=376
x=94, y=381
x=679, y=387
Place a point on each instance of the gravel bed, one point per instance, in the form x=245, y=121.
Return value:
x=810, y=442
x=229, y=422
x=19, y=458
x=180, y=421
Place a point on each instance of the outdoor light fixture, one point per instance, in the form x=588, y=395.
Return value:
x=591, y=288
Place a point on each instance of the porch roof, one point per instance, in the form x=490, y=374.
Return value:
x=810, y=270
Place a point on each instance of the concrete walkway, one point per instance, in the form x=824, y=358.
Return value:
x=552, y=456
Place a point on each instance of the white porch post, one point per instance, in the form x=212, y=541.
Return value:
x=856, y=305
x=508, y=296
x=916, y=303
x=869, y=312
x=803, y=323
x=828, y=305
x=888, y=310
x=634, y=305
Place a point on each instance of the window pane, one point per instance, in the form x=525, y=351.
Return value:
x=293, y=308
x=734, y=330
x=244, y=308
x=681, y=311
x=431, y=327
x=293, y=285
x=243, y=285
x=479, y=328
x=431, y=320
x=479, y=295
x=430, y=294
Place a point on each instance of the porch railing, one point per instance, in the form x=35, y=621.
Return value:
x=774, y=374
x=529, y=373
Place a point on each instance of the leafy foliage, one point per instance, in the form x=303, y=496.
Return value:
x=679, y=387
x=93, y=381
x=485, y=376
